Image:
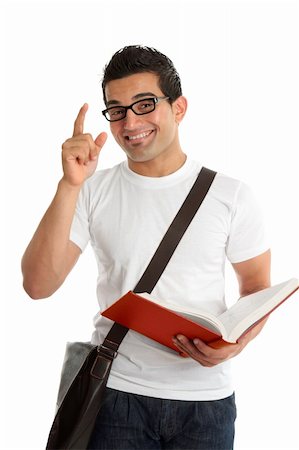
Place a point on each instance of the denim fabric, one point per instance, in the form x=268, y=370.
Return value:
x=128, y=421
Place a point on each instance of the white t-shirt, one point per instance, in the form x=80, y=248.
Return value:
x=124, y=216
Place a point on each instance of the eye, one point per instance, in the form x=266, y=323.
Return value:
x=146, y=105
x=116, y=112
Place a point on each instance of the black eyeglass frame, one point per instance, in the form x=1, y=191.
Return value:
x=125, y=108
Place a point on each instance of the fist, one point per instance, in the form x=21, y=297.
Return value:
x=80, y=153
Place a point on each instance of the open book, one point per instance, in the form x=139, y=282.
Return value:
x=161, y=321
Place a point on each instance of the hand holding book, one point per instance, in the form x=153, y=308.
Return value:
x=218, y=351
x=162, y=321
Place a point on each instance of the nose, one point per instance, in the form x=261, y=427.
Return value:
x=131, y=120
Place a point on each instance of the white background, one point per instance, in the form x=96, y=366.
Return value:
x=238, y=61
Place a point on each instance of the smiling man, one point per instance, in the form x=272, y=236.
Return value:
x=150, y=141
x=155, y=398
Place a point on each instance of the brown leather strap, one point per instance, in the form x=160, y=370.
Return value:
x=165, y=250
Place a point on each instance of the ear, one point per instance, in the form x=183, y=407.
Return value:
x=179, y=107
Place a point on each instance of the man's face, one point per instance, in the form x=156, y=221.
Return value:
x=147, y=137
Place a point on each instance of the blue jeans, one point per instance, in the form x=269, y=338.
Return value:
x=129, y=421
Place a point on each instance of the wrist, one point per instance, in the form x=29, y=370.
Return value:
x=70, y=191
x=66, y=186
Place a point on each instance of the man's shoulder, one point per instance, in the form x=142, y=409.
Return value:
x=225, y=187
x=227, y=183
x=230, y=190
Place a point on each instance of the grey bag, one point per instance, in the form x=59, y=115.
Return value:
x=75, y=355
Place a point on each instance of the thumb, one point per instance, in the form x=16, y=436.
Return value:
x=101, y=139
x=99, y=142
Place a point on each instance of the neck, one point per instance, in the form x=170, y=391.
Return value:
x=158, y=167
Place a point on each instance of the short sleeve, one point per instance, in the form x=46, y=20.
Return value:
x=247, y=236
x=79, y=233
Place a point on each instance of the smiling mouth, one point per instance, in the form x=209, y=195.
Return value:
x=139, y=136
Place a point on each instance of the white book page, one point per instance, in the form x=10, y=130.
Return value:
x=251, y=308
x=201, y=317
x=207, y=321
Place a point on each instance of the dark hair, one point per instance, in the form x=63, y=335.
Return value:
x=137, y=59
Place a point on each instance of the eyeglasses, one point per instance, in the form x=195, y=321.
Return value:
x=144, y=106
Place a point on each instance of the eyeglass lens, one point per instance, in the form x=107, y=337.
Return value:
x=141, y=107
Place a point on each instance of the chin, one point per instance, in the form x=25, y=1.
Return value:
x=139, y=156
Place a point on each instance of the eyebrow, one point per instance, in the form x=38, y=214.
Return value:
x=135, y=97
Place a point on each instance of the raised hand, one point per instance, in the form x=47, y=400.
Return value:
x=80, y=153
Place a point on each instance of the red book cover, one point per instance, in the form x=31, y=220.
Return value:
x=157, y=322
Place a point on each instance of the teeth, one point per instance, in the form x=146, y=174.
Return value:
x=139, y=136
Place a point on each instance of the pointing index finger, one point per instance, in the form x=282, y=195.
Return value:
x=79, y=122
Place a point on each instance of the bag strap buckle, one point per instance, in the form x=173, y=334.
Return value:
x=107, y=349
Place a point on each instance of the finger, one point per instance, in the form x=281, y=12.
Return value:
x=182, y=343
x=99, y=143
x=209, y=352
x=190, y=352
x=101, y=139
x=79, y=122
x=196, y=352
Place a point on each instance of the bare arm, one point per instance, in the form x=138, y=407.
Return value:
x=50, y=255
x=253, y=275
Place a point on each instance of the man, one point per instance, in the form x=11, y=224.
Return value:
x=155, y=398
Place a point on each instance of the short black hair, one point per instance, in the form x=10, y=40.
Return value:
x=137, y=59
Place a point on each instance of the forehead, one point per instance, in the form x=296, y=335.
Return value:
x=126, y=89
